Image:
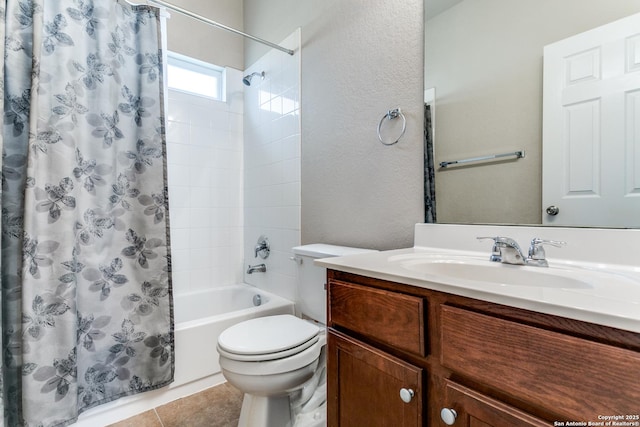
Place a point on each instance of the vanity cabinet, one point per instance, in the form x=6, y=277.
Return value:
x=367, y=383
x=464, y=362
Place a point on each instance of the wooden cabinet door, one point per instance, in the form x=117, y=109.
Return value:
x=364, y=386
x=474, y=409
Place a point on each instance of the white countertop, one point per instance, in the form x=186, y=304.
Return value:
x=611, y=297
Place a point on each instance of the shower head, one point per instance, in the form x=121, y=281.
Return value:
x=247, y=79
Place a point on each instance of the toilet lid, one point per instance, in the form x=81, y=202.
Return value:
x=265, y=335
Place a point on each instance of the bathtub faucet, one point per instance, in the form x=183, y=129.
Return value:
x=262, y=248
x=258, y=268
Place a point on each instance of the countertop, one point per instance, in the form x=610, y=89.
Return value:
x=611, y=296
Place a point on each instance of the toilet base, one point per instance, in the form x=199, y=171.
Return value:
x=263, y=411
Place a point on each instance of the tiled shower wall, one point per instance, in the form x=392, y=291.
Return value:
x=272, y=167
x=205, y=168
x=234, y=174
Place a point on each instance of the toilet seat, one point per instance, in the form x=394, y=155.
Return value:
x=291, y=363
x=268, y=356
x=267, y=338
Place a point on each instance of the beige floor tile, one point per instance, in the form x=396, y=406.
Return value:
x=145, y=419
x=215, y=407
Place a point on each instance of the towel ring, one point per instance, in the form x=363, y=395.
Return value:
x=390, y=115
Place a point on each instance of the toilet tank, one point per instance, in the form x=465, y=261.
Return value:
x=311, y=279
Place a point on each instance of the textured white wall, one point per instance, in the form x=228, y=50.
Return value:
x=359, y=59
x=192, y=38
x=484, y=58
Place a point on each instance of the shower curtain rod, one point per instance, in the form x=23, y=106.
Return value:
x=217, y=24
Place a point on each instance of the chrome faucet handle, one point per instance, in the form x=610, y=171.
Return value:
x=507, y=241
x=262, y=248
x=536, y=250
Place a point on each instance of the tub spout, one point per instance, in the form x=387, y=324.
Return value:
x=258, y=268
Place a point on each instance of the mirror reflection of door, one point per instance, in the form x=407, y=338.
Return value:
x=591, y=127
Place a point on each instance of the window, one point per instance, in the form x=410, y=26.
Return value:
x=196, y=77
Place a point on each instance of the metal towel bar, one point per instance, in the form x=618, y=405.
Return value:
x=517, y=154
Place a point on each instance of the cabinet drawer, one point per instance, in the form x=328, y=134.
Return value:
x=388, y=317
x=568, y=376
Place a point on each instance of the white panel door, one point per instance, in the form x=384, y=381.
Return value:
x=591, y=127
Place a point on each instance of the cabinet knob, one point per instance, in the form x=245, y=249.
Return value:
x=406, y=394
x=448, y=416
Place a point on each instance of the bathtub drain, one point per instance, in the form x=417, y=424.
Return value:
x=257, y=300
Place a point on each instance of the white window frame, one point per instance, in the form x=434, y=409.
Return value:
x=200, y=67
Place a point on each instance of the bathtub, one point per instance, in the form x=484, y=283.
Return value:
x=199, y=318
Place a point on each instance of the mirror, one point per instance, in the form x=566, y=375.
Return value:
x=484, y=61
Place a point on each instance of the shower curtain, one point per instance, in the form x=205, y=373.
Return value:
x=429, y=169
x=87, y=312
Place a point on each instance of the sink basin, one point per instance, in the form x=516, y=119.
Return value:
x=478, y=270
x=497, y=273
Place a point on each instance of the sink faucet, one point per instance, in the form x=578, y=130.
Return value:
x=507, y=251
x=258, y=268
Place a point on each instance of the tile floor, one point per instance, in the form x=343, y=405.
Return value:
x=214, y=407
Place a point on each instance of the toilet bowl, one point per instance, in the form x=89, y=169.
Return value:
x=270, y=356
x=276, y=360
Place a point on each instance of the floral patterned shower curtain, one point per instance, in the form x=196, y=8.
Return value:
x=87, y=313
x=429, y=169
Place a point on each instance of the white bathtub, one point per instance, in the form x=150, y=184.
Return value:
x=202, y=316
x=199, y=318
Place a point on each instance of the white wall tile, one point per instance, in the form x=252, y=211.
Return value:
x=220, y=120
x=198, y=155
x=291, y=192
x=201, y=279
x=199, y=217
x=179, y=238
x=180, y=259
x=291, y=169
x=271, y=169
x=234, y=175
x=199, y=258
x=202, y=136
x=179, y=217
x=200, y=176
x=235, y=122
x=200, y=197
x=202, y=115
x=178, y=110
x=177, y=132
x=179, y=196
x=205, y=191
x=177, y=154
x=178, y=174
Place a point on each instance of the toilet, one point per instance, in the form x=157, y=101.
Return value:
x=278, y=362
